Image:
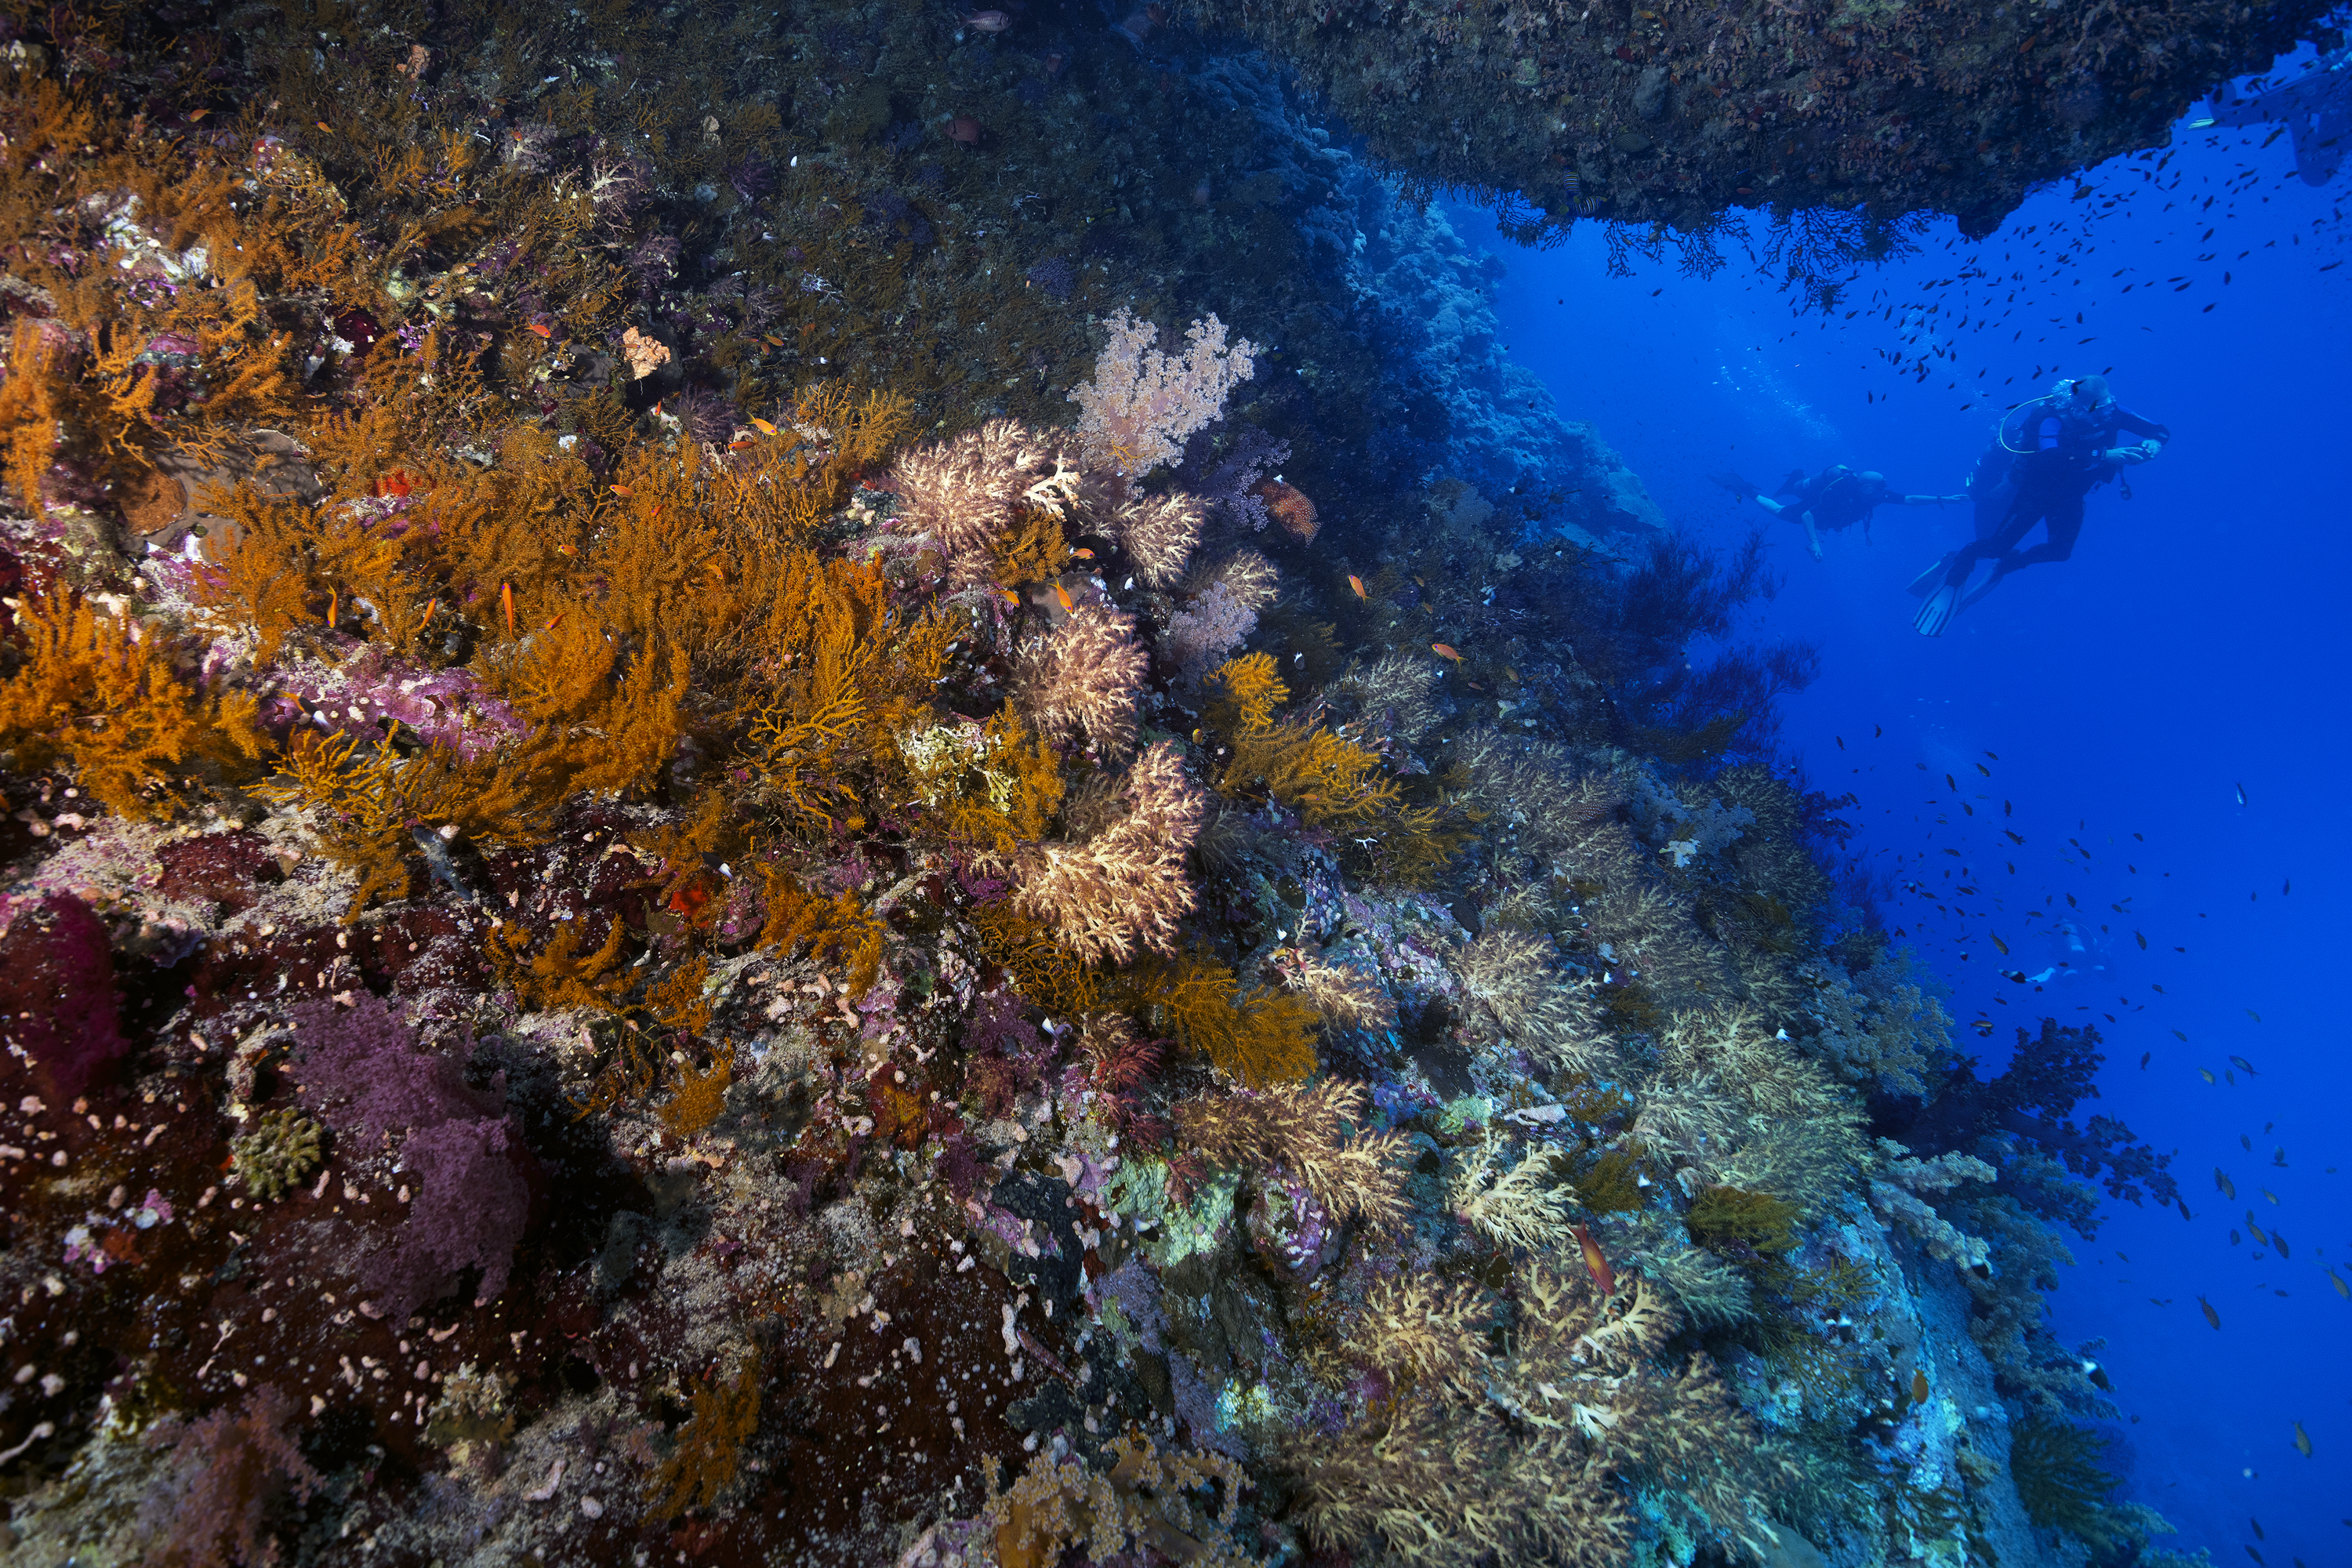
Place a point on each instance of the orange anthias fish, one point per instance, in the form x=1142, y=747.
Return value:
x=1357, y=585
x=761, y=425
x=1602, y=1275
x=505, y=597
x=543, y=332
x=1010, y=596
x=1445, y=650
x=1062, y=594
x=622, y=490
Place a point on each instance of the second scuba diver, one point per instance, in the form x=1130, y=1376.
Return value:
x=2047, y=456
x=1836, y=497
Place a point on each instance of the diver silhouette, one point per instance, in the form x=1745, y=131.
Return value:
x=2315, y=107
x=1835, y=499
x=2047, y=456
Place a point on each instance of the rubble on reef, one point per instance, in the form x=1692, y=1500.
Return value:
x=819, y=946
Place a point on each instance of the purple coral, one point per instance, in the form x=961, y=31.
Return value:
x=473, y=1176
x=1230, y=484
x=1005, y=1054
x=224, y=1475
x=1055, y=277
x=57, y=1004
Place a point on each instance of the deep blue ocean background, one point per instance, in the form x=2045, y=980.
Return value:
x=2195, y=643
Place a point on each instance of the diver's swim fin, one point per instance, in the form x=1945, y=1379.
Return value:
x=1925, y=584
x=1978, y=591
x=1937, y=612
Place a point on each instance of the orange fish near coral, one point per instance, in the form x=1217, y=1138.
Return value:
x=761, y=425
x=1603, y=1275
x=1068, y=604
x=1357, y=585
x=622, y=490
x=505, y=597
x=544, y=332
x=1288, y=506
x=1445, y=651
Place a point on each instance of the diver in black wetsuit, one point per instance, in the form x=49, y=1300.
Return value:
x=2316, y=107
x=2047, y=456
x=1838, y=497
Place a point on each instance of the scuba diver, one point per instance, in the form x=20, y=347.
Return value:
x=2047, y=456
x=1836, y=497
x=2315, y=107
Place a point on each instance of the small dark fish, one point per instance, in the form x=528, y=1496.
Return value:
x=1918, y=1386
x=2221, y=1179
x=2278, y=1158
x=2212, y=1316
x=2143, y=942
x=2244, y=1065
x=2302, y=1440
x=2258, y=1527
x=2242, y=795
x=2144, y=1056
x=2184, y=1209
x=2286, y=887
x=2279, y=1241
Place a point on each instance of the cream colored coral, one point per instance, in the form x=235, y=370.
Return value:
x=1511, y=1207
x=645, y=354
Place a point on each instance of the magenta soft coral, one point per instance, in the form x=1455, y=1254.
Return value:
x=58, y=1002
x=473, y=1178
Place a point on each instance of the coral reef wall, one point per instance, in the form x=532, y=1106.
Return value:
x=755, y=813
x=1678, y=115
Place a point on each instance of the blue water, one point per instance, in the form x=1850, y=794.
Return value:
x=2194, y=643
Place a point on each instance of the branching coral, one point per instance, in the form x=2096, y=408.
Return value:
x=1298, y=1132
x=1124, y=888
x=1085, y=678
x=1142, y=404
x=1521, y=1453
x=374, y=809
x=710, y=1446
x=1896, y=1198
x=1515, y=1208
x=228, y=1473
x=1347, y=996
x=1550, y=1016
x=964, y=493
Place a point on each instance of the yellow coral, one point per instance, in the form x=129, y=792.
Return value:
x=709, y=1445
x=1264, y=1038
x=369, y=807
x=99, y=695
x=839, y=928
x=1253, y=690
x=560, y=976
